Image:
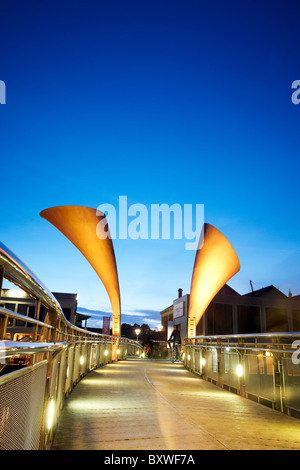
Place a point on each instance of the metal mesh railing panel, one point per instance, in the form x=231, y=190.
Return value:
x=21, y=410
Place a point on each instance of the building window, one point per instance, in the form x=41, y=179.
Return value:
x=22, y=309
x=296, y=320
x=276, y=319
x=219, y=319
x=31, y=311
x=248, y=319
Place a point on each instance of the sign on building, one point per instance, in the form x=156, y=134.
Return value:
x=106, y=326
x=178, y=310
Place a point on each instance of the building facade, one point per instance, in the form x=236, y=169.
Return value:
x=266, y=310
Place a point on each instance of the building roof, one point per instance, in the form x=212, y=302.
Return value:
x=80, y=316
x=165, y=310
x=227, y=290
x=269, y=291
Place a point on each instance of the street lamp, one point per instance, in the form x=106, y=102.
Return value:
x=137, y=332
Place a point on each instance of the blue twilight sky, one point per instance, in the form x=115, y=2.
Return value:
x=163, y=101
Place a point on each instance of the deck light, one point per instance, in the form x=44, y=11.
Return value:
x=50, y=414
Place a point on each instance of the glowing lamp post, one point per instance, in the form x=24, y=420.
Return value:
x=137, y=332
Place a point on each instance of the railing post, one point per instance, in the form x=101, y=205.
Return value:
x=220, y=362
x=1, y=278
x=278, y=378
x=36, y=316
x=203, y=361
x=241, y=355
x=3, y=320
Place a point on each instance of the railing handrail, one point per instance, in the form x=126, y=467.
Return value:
x=16, y=348
x=88, y=334
x=18, y=273
x=18, y=316
x=247, y=346
x=94, y=337
x=246, y=335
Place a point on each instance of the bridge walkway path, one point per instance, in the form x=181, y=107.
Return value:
x=155, y=405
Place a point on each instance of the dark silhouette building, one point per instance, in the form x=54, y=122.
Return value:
x=266, y=310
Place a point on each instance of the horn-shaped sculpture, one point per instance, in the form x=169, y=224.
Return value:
x=215, y=263
x=88, y=230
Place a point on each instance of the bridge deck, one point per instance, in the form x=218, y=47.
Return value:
x=156, y=405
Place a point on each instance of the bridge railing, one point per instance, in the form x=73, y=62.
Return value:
x=261, y=367
x=39, y=371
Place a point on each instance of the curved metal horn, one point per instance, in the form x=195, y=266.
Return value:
x=215, y=263
x=85, y=228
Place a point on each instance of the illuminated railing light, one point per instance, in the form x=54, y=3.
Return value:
x=50, y=414
x=239, y=370
x=81, y=360
x=189, y=357
x=118, y=351
x=105, y=352
x=203, y=361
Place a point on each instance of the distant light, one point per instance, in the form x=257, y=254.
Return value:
x=118, y=351
x=81, y=360
x=50, y=414
x=183, y=356
x=137, y=353
x=189, y=357
x=105, y=352
x=203, y=361
x=239, y=370
x=227, y=349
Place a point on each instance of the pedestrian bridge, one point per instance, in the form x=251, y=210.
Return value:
x=68, y=388
x=142, y=404
x=136, y=403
